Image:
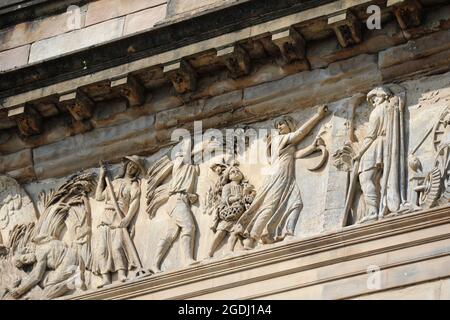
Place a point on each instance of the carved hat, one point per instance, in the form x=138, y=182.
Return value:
x=218, y=164
x=377, y=92
x=137, y=161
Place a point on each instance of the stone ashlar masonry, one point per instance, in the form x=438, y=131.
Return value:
x=87, y=23
x=133, y=108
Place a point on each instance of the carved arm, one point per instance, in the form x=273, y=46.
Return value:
x=133, y=209
x=306, y=128
x=32, y=280
x=99, y=196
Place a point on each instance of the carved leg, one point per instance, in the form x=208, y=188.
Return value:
x=220, y=235
x=185, y=220
x=56, y=290
x=232, y=241
x=106, y=280
x=163, y=247
x=370, y=192
x=258, y=228
x=291, y=223
x=187, y=247
x=122, y=275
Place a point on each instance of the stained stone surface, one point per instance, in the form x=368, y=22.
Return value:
x=337, y=151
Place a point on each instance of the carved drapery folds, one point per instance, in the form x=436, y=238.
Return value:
x=88, y=233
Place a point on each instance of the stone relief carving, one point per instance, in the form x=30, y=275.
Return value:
x=178, y=195
x=16, y=207
x=378, y=162
x=433, y=188
x=54, y=264
x=56, y=267
x=85, y=230
x=274, y=212
x=213, y=195
x=115, y=250
x=236, y=195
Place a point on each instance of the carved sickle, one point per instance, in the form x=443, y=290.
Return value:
x=323, y=159
x=313, y=149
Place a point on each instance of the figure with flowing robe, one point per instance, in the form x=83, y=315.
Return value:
x=381, y=158
x=114, y=250
x=275, y=210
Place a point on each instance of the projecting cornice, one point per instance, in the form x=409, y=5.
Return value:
x=183, y=37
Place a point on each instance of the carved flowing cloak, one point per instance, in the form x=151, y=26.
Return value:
x=386, y=152
x=278, y=197
x=114, y=248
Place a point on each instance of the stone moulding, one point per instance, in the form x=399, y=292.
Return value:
x=304, y=255
x=87, y=69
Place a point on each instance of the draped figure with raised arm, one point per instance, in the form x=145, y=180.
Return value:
x=275, y=210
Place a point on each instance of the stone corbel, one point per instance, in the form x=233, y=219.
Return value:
x=347, y=28
x=130, y=88
x=291, y=44
x=236, y=59
x=182, y=75
x=28, y=120
x=407, y=12
x=78, y=104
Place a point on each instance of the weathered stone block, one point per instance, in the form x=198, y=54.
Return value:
x=316, y=85
x=110, y=143
x=415, y=49
x=76, y=40
x=18, y=165
x=182, y=75
x=145, y=19
x=236, y=59
x=130, y=89
x=29, y=32
x=182, y=6
x=198, y=110
x=103, y=10
x=14, y=58
x=28, y=120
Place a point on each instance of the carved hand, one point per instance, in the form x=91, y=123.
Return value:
x=102, y=169
x=357, y=158
x=16, y=293
x=234, y=198
x=322, y=110
x=124, y=223
x=319, y=142
x=193, y=198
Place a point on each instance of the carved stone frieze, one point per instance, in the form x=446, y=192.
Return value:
x=274, y=183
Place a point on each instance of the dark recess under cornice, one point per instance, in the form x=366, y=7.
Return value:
x=157, y=40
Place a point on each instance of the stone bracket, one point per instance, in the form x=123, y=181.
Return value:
x=291, y=44
x=78, y=104
x=236, y=59
x=28, y=120
x=408, y=13
x=130, y=88
x=347, y=28
x=182, y=75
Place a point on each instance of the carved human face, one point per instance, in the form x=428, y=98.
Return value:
x=218, y=170
x=132, y=169
x=378, y=99
x=25, y=260
x=283, y=127
x=235, y=175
